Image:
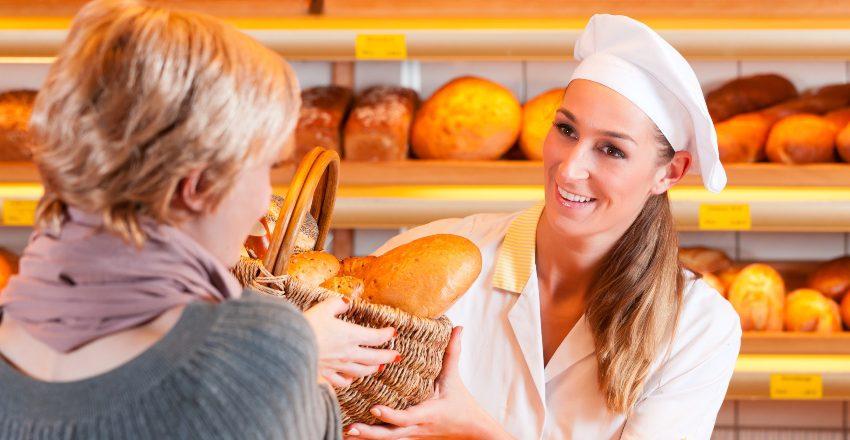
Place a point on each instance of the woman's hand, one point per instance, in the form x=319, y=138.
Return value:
x=451, y=413
x=344, y=348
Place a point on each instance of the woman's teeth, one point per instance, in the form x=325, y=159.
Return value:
x=574, y=197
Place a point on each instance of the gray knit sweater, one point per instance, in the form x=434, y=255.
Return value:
x=244, y=369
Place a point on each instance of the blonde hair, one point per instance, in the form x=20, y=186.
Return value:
x=634, y=302
x=141, y=95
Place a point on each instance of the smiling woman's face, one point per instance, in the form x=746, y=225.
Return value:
x=602, y=160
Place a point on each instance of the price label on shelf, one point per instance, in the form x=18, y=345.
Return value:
x=380, y=47
x=725, y=217
x=796, y=386
x=19, y=212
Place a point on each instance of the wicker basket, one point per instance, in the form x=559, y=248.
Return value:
x=421, y=341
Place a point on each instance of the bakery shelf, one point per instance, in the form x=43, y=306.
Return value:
x=403, y=194
x=754, y=373
x=470, y=38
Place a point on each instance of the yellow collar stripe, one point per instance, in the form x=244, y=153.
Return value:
x=516, y=257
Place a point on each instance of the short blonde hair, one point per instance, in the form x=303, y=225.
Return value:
x=138, y=97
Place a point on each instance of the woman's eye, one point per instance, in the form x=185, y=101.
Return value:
x=613, y=151
x=566, y=129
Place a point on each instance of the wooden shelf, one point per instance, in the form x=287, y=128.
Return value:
x=402, y=194
x=490, y=38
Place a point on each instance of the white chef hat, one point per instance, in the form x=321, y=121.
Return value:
x=628, y=57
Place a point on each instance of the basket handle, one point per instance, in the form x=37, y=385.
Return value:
x=314, y=185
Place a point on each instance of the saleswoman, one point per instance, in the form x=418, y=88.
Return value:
x=583, y=325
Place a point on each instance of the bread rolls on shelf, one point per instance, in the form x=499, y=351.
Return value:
x=742, y=138
x=537, y=116
x=704, y=260
x=832, y=278
x=748, y=94
x=807, y=310
x=801, y=139
x=758, y=295
x=15, y=139
x=839, y=118
x=468, y=118
x=378, y=127
x=323, y=112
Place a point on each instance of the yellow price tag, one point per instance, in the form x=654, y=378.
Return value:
x=796, y=386
x=380, y=47
x=725, y=217
x=19, y=212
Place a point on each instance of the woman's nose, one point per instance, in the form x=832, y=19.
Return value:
x=575, y=165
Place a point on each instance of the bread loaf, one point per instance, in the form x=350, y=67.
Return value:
x=348, y=286
x=537, y=117
x=704, y=260
x=801, y=139
x=15, y=110
x=842, y=144
x=742, y=138
x=355, y=266
x=467, y=119
x=312, y=268
x=807, y=310
x=8, y=266
x=832, y=278
x=423, y=277
x=758, y=295
x=323, y=112
x=378, y=128
x=748, y=94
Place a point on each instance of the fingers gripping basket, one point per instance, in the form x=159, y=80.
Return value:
x=421, y=341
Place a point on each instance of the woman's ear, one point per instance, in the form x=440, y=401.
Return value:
x=673, y=172
x=189, y=194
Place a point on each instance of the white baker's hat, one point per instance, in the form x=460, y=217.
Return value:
x=628, y=57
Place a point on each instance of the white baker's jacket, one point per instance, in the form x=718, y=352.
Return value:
x=502, y=349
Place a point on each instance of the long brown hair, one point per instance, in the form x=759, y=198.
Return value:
x=634, y=302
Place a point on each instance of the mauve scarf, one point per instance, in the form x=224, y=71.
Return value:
x=86, y=283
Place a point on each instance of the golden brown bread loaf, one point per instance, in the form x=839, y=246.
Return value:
x=355, y=266
x=378, y=127
x=807, y=310
x=742, y=138
x=468, y=118
x=423, y=277
x=840, y=118
x=842, y=144
x=15, y=110
x=758, y=295
x=8, y=266
x=801, y=139
x=537, y=117
x=313, y=268
x=832, y=278
x=748, y=94
x=323, y=112
x=704, y=260
x=347, y=286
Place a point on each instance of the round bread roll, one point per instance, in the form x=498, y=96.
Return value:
x=801, y=139
x=355, y=266
x=715, y=283
x=537, y=117
x=347, y=286
x=842, y=143
x=758, y=295
x=839, y=118
x=313, y=267
x=832, y=278
x=704, y=260
x=467, y=119
x=8, y=266
x=742, y=138
x=15, y=110
x=807, y=310
x=424, y=277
